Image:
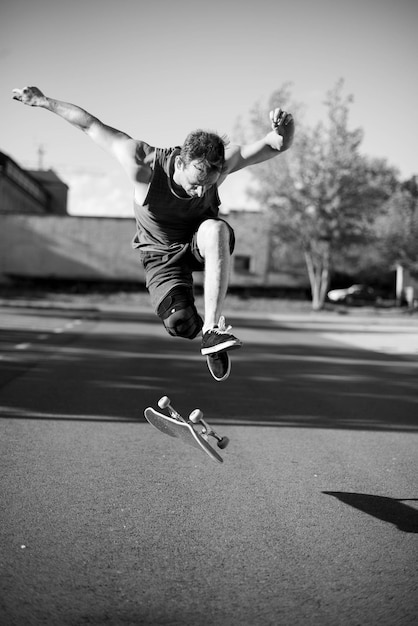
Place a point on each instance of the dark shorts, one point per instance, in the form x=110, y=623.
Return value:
x=174, y=267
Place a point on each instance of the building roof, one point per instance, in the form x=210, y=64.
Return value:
x=46, y=176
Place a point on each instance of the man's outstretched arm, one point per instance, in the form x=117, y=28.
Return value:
x=278, y=140
x=118, y=143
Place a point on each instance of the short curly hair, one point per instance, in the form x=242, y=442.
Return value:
x=207, y=148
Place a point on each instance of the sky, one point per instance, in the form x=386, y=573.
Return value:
x=159, y=69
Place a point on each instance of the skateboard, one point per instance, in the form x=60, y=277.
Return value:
x=193, y=430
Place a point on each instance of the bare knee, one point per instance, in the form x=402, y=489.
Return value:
x=214, y=235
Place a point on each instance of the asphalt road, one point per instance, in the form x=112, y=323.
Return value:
x=311, y=519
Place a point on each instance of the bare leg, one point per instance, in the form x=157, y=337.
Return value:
x=213, y=239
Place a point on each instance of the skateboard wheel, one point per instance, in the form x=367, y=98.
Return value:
x=223, y=443
x=195, y=416
x=163, y=402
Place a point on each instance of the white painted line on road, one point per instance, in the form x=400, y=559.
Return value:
x=22, y=346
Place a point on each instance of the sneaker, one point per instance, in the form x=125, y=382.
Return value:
x=219, y=365
x=218, y=339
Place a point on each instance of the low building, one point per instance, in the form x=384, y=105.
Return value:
x=30, y=192
x=56, y=189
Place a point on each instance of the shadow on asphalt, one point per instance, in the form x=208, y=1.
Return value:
x=113, y=377
x=390, y=510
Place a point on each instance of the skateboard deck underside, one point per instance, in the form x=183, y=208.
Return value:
x=180, y=430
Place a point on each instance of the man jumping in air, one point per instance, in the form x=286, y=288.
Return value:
x=176, y=206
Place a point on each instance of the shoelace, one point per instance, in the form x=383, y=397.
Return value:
x=222, y=329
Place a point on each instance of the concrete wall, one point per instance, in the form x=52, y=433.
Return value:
x=68, y=247
x=93, y=248
x=251, y=242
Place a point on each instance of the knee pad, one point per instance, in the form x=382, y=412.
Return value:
x=179, y=314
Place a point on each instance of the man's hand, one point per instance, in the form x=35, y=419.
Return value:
x=283, y=125
x=32, y=96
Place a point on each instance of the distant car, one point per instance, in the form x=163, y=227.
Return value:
x=356, y=294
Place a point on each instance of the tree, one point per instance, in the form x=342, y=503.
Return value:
x=397, y=227
x=325, y=195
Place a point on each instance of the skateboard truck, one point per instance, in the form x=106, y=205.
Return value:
x=196, y=417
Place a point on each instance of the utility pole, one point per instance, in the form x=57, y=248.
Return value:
x=41, y=153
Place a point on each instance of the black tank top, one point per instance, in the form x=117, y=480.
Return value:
x=164, y=219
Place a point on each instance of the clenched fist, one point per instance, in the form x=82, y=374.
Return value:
x=282, y=123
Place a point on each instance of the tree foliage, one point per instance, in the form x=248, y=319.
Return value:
x=322, y=195
x=397, y=228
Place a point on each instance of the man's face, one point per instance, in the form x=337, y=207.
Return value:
x=192, y=179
